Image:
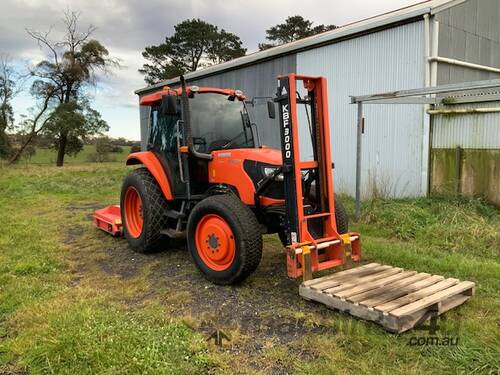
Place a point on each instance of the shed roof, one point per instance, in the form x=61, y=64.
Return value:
x=350, y=30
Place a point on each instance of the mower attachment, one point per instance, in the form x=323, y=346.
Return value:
x=109, y=220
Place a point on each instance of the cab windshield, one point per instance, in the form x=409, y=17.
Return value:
x=219, y=123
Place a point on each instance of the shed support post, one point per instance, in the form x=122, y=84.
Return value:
x=458, y=169
x=358, y=161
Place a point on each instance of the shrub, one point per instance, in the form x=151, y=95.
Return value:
x=96, y=157
x=135, y=148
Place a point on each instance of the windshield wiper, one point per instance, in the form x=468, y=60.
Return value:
x=230, y=142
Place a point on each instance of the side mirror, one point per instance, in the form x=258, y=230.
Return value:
x=271, y=109
x=169, y=105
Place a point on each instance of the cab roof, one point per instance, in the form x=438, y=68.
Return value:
x=156, y=96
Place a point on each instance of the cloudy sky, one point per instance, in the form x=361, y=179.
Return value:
x=126, y=26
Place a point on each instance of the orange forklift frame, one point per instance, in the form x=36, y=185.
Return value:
x=307, y=254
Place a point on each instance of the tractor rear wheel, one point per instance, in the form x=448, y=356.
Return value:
x=224, y=239
x=143, y=208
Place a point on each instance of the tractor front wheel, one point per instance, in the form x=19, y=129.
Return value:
x=224, y=239
x=143, y=208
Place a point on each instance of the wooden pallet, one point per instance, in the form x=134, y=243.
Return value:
x=395, y=298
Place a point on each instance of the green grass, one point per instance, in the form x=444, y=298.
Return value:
x=48, y=326
x=49, y=156
x=91, y=336
x=73, y=301
x=454, y=225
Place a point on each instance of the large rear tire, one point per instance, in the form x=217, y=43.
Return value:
x=224, y=239
x=143, y=208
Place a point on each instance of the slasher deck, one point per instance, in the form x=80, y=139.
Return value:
x=395, y=298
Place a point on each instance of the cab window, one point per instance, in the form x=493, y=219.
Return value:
x=219, y=123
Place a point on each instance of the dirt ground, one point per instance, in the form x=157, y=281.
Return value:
x=264, y=310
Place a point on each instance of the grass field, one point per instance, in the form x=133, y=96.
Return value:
x=49, y=156
x=74, y=300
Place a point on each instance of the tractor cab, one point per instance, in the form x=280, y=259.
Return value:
x=219, y=118
x=218, y=122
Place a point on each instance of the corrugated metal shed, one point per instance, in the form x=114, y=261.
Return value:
x=383, y=53
x=475, y=130
x=469, y=31
x=377, y=62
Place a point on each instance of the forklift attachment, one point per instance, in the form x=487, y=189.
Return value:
x=397, y=299
x=311, y=228
x=109, y=220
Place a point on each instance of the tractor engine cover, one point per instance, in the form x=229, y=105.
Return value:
x=244, y=169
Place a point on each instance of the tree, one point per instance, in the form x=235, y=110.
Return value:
x=225, y=46
x=294, y=28
x=194, y=44
x=103, y=148
x=46, y=95
x=71, y=66
x=73, y=122
x=8, y=90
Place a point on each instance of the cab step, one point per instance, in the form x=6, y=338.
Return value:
x=395, y=298
x=174, y=234
x=173, y=214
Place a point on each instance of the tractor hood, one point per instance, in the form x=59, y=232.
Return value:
x=263, y=155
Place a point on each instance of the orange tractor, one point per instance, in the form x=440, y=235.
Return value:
x=206, y=178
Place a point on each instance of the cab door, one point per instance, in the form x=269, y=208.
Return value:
x=163, y=141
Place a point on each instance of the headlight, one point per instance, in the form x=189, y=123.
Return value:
x=269, y=171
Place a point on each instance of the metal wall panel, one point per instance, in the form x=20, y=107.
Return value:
x=392, y=144
x=477, y=131
x=470, y=32
x=256, y=81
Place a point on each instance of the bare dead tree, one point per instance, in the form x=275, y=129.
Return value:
x=72, y=63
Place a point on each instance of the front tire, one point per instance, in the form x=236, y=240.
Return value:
x=224, y=239
x=143, y=208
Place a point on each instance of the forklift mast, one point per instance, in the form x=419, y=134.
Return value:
x=313, y=241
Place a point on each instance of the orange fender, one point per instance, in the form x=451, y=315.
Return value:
x=151, y=162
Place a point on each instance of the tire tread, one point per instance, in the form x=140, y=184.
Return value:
x=341, y=217
x=157, y=206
